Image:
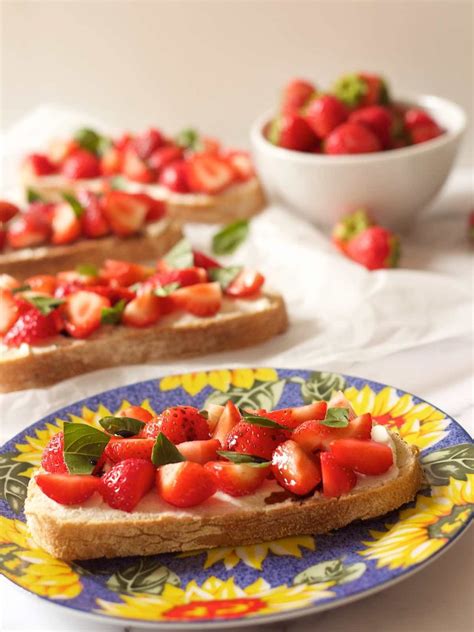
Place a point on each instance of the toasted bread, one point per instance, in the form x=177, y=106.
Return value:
x=120, y=345
x=155, y=240
x=95, y=530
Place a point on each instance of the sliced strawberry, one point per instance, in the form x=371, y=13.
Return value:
x=209, y=173
x=111, y=162
x=209, y=145
x=42, y=283
x=178, y=424
x=184, y=484
x=114, y=293
x=136, y=412
x=31, y=327
x=65, y=224
x=7, y=211
x=7, y=282
x=9, y=311
x=123, y=273
x=174, y=177
x=156, y=209
x=294, y=469
x=202, y=299
x=337, y=479
x=27, y=230
x=293, y=417
x=81, y=164
x=125, y=484
x=38, y=165
x=200, y=451
x=164, y=156
x=214, y=413
x=83, y=312
x=365, y=457
x=93, y=221
x=182, y=276
x=3, y=237
x=313, y=435
x=130, y=448
x=125, y=212
x=203, y=261
x=254, y=440
x=134, y=168
x=228, y=418
x=246, y=283
x=148, y=142
x=237, y=479
x=59, y=149
x=338, y=400
x=67, y=489
x=53, y=455
x=142, y=311
x=242, y=164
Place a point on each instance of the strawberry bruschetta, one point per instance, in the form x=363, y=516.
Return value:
x=192, y=175
x=49, y=236
x=55, y=326
x=190, y=479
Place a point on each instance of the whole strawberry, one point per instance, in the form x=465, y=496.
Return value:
x=361, y=89
x=53, y=455
x=374, y=248
x=296, y=95
x=255, y=440
x=31, y=327
x=178, y=424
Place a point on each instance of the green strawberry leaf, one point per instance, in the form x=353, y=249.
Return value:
x=83, y=447
x=227, y=240
x=122, y=426
x=165, y=452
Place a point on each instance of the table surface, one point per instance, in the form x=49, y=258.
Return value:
x=439, y=597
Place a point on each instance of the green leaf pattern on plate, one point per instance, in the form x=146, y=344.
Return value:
x=331, y=571
x=13, y=484
x=456, y=461
x=145, y=576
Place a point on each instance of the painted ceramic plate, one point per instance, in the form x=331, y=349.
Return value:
x=251, y=584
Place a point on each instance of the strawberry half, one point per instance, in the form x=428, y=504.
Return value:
x=202, y=299
x=142, y=311
x=125, y=212
x=366, y=457
x=65, y=224
x=209, y=173
x=121, y=449
x=125, y=484
x=32, y=327
x=200, y=451
x=42, y=283
x=136, y=412
x=254, y=440
x=38, y=165
x=53, y=455
x=7, y=211
x=184, y=484
x=237, y=479
x=81, y=164
x=9, y=311
x=313, y=435
x=178, y=424
x=123, y=273
x=293, y=417
x=246, y=283
x=67, y=489
x=83, y=312
x=242, y=164
x=93, y=221
x=337, y=479
x=27, y=230
x=294, y=469
x=227, y=418
x=134, y=168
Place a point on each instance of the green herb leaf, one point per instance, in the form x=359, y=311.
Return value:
x=45, y=304
x=73, y=203
x=224, y=276
x=239, y=458
x=87, y=269
x=204, y=413
x=122, y=426
x=118, y=183
x=189, y=139
x=263, y=421
x=22, y=288
x=165, y=452
x=166, y=290
x=83, y=447
x=180, y=256
x=336, y=418
x=91, y=141
x=113, y=315
x=227, y=240
x=32, y=195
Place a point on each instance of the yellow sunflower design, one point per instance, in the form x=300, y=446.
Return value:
x=219, y=380
x=215, y=599
x=24, y=563
x=424, y=529
x=418, y=424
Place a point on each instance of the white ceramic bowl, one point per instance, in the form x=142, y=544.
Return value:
x=394, y=185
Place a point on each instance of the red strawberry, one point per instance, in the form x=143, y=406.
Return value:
x=114, y=293
x=203, y=261
x=209, y=173
x=184, y=484
x=7, y=282
x=31, y=327
x=125, y=212
x=339, y=400
x=228, y=418
x=53, y=455
x=362, y=89
x=65, y=224
x=3, y=237
x=142, y=311
x=324, y=114
x=350, y=226
x=416, y=117
x=337, y=479
x=178, y=424
x=214, y=413
x=246, y=283
x=202, y=299
x=374, y=248
x=296, y=95
x=148, y=142
x=254, y=440
x=351, y=138
x=294, y=469
x=366, y=457
x=164, y=156
x=9, y=311
x=125, y=484
x=7, y=211
x=313, y=435
x=293, y=417
x=423, y=133
x=136, y=412
x=111, y=162
x=376, y=118
x=174, y=177
x=93, y=221
x=156, y=209
x=42, y=283
x=291, y=131
x=81, y=164
x=470, y=226
x=134, y=168
x=200, y=451
x=38, y=165
x=59, y=149
x=241, y=163
x=376, y=91
x=83, y=312
x=67, y=489
x=182, y=276
x=123, y=273
x=237, y=479
x=27, y=230
x=133, y=448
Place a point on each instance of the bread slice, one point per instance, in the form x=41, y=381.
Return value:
x=239, y=324
x=156, y=239
x=95, y=530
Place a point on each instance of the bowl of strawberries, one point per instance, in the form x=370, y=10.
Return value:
x=328, y=153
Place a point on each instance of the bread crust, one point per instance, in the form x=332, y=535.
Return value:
x=71, y=538
x=153, y=242
x=121, y=345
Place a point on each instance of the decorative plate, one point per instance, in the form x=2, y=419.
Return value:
x=250, y=584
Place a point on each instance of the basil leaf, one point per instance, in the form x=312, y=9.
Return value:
x=240, y=458
x=263, y=421
x=227, y=240
x=122, y=426
x=224, y=276
x=180, y=256
x=336, y=418
x=204, y=413
x=189, y=139
x=83, y=447
x=166, y=290
x=113, y=315
x=165, y=452
x=22, y=288
x=117, y=183
x=91, y=141
x=73, y=203
x=32, y=195
x=45, y=304
x=87, y=269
